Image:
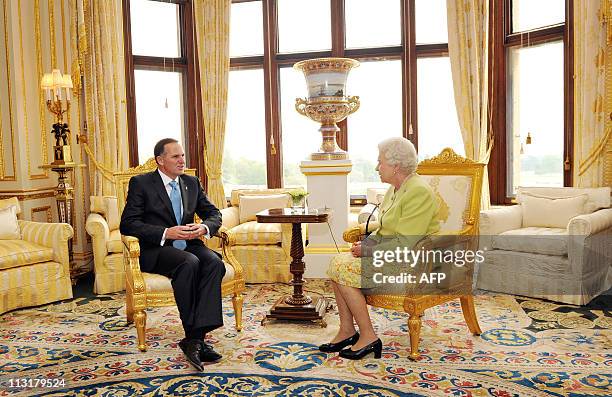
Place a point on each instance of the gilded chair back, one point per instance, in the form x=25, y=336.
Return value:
x=457, y=182
x=122, y=179
x=145, y=290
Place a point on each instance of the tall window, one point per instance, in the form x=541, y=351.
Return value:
x=268, y=36
x=160, y=76
x=533, y=127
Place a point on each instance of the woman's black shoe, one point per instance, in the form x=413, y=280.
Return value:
x=336, y=347
x=374, y=347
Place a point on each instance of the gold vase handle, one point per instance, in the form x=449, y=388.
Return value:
x=300, y=106
x=354, y=103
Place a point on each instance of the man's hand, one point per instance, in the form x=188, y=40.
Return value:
x=184, y=232
x=356, y=249
x=199, y=229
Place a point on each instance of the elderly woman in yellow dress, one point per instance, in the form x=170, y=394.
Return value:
x=409, y=208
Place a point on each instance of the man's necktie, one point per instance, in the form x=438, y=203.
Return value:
x=175, y=198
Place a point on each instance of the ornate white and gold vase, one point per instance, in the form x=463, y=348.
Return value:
x=327, y=102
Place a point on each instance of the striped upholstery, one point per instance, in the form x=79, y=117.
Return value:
x=107, y=245
x=15, y=253
x=32, y=284
x=114, y=244
x=111, y=276
x=262, y=249
x=263, y=263
x=257, y=233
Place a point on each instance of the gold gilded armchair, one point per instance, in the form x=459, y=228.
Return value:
x=145, y=290
x=457, y=182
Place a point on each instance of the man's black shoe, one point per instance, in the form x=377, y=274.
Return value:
x=207, y=354
x=192, y=349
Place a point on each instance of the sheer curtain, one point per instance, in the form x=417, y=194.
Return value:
x=212, y=20
x=592, y=93
x=468, y=22
x=98, y=47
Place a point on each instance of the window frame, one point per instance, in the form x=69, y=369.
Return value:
x=501, y=39
x=186, y=64
x=272, y=60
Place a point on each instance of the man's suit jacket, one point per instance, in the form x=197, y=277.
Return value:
x=148, y=212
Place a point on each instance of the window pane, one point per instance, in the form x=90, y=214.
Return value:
x=155, y=28
x=379, y=86
x=301, y=135
x=430, y=22
x=159, y=109
x=438, y=124
x=368, y=26
x=437, y=114
x=304, y=25
x=530, y=14
x=244, y=155
x=535, y=106
x=246, y=29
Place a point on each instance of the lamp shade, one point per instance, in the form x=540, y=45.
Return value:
x=46, y=83
x=67, y=81
x=58, y=80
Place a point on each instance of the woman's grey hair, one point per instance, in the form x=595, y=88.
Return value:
x=401, y=152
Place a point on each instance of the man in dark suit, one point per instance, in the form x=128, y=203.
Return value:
x=160, y=212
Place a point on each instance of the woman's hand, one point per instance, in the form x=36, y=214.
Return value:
x=356, y=249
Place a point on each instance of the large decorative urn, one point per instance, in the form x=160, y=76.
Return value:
x=327, y=102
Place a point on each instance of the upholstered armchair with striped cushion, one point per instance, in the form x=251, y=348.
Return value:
x=262, y=249
x=103, y=227
x=35, y=268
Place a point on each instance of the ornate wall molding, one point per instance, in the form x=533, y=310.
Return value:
x=28, y=194
x=9, y=96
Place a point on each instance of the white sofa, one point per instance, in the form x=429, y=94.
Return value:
x=555, y=244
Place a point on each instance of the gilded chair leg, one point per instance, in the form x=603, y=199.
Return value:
x=237, y=300
x=129, y=309
x=140, y=317
x=469, y=313
x=414, y=326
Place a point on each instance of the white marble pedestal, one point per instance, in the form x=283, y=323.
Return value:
x=327, y=185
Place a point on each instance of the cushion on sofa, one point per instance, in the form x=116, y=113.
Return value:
x=257, y=233
x=9, y=228
x=375, y=195
x=10, y=201
x=14, y=253
x=549, y=212
x=112, y=213
x=366, y=211
x=250, y=205
x=107, y=207
x=599, y=197
x=537, y=240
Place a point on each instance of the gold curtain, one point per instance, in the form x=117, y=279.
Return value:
x=468, y=22
x=98, y=28
x=592, y=129
x=212, y=20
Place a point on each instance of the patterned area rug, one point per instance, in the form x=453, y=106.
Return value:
x=86, y=344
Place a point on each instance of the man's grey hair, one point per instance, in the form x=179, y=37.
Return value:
x=401, y=152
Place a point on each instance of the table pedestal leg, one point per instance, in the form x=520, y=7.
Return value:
x=298, y=306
